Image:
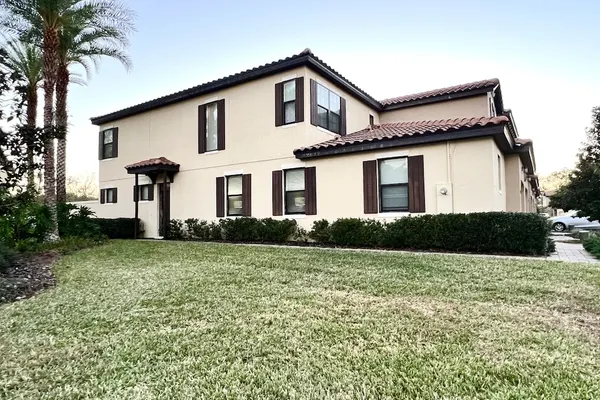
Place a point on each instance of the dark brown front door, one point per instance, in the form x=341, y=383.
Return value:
x=164, y=208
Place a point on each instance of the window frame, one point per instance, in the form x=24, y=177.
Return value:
x=381, y=186
x=112, y=143
x=284, y=103
x=114, y=195
x=330, y=92
x=227, y=195
x=371, y=120
x=206, y=109
x=140, y=196
x=285, y=201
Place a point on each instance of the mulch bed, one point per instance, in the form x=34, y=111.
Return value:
x=30, y=274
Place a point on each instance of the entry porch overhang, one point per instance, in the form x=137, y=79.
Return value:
x=153, y=167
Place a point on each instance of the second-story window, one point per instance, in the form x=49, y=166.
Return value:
x=109, y=141
x=212, y=115
x=328, y=109
x=289, y=102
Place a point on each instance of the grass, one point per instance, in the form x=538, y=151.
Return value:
x=167, y=320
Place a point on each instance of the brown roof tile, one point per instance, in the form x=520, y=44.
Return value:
x=152, y=162
x=401, y=129
x=465, y=87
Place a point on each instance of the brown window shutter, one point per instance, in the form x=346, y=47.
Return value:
x=221, y=125
x=310, y=190
x=150, y=192
x=300, y=99
x=313, y=102
x=416, y=184
x=342, y=116
x=115, y=142
x=202, y=129
x=220, y=197
x=100, y=145
x=277, y=192
x=115, y=195
x=279, y=104
x=102, y=196
x=371, y=205
x=247, y=195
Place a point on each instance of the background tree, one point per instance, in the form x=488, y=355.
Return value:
x=25, y=60
x=82, y=188
x=554, y=180
x=85, y=44
x=582, y=192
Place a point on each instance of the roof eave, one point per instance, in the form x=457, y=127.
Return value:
x=437, y=99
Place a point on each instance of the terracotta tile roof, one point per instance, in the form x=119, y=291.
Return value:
x=402, y=129
x=160, y=161
x=465, y=87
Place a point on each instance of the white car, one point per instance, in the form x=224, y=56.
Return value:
x=564, y=222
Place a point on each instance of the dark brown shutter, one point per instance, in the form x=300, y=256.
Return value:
x=221, y=125
x=300, y=99
x=277, y=193
x=135, y=193
x=370, y=187
x=202, y=129
x=102, y=196
x=310, y=190
x=220, y=196
x=313, y=102
x=115, y=195
x=115, y=142
x=342, y=116
x=416, y=184
x=247, y=195
x=150, y=192
x=101, y=145
x=279, y=104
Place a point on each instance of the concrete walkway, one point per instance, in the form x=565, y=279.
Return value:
x=572, y=251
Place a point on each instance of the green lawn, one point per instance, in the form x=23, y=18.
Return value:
x=160, y=320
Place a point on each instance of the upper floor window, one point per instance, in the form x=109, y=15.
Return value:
x=289, y=102
x=295, y=202
x=108, y=195
x=235, y=199
x=371, y=120
x=393, y=184
x=211, y=126
x=108, y=143
x=328, y=109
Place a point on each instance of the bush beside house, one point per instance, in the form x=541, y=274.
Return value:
x=491, y=232
x=593, y=246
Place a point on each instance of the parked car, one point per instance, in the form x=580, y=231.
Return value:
x=571, y=220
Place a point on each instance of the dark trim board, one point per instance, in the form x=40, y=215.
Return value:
x=496, y=131
x=437, y=99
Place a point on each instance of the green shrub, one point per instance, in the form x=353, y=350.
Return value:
x=22, y=217
x=74, y=221
x=356, y=232
x=320, y=231
x=65, y=245
x=276, y=231
x=7, y=256
x=176, y=230
x=491, y=232
x=214, y=231
x=593, y=245
x=116, y=228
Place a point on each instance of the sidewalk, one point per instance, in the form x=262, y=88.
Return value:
x=571, y=251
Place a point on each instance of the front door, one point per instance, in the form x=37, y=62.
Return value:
x=164, y=208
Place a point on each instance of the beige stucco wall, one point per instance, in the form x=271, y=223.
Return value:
x=476, y=106
x=520, y=196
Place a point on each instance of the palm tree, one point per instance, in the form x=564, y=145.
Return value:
x=26, y=60
x=41, y=22
x=82, y=45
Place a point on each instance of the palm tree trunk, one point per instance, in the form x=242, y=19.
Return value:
x=32, y=100
x=50, y=53
x=62, y=85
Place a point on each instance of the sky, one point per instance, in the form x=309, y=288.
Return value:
x=545, y=54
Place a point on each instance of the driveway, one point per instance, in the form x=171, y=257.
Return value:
x=568, y=249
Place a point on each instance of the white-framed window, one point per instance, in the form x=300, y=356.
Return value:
x=108, y=144
x=234, y=195
x=294, y=196
x=289, y=102
x=212, y=115
x=328, y=109
x=393, y=184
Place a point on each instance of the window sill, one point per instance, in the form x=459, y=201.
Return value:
x=327, y=131
x=208, y=153
x=294, y=216
x=108, y=159
x=108, y=204
x=394, y=214
x=285, y=126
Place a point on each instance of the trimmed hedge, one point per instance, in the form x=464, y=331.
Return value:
x=116, y=228
x=593, y=246
x=491, y=232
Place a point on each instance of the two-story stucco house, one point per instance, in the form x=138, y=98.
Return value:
x=295, y=139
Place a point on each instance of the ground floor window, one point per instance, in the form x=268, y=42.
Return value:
x=295, y=202
x=234, y=195
x=108, y=195
x=393, y=184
